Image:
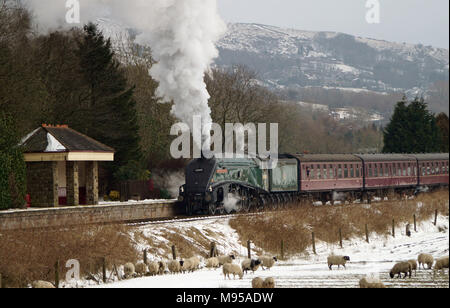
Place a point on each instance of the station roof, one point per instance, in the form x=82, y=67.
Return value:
x=55, y=143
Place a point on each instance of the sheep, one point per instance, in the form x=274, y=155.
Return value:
x=162, y=267
x=141, y=269
x=195, y=263
x=269, y=283
x=337, y=260
x=268, y=262
x=257, y=283
x=250, y=264
x=226, y=259
x=212, y=262
x=39, y=284
x=366, y=283
x=441, y=263
x=153, y=268
x=230, y=268
x=413, y=266
x=129, y=270
x=399, y=268
x=425, y=258
x=175, y=266
x=187, y=266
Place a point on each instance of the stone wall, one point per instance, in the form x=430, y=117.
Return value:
x=80, y=215
x=42, y=183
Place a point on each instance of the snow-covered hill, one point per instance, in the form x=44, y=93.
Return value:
x=294, y=58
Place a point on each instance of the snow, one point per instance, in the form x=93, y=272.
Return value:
x=374, y=259
x=54, y=145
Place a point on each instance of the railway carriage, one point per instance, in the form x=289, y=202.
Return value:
x=433, y=169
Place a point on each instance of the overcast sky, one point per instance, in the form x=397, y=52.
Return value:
x=411, y=21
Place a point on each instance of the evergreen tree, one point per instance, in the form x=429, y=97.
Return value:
x=107, y=110
x=12, y=166
x=412, y=129
x=443, y=124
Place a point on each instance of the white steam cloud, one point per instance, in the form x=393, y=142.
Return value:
x=181, y=33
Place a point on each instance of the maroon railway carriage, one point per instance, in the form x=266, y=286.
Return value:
x=328, y=173
x=389, y=171
x=433, y=169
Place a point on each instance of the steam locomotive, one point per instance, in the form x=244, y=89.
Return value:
x=216, y=186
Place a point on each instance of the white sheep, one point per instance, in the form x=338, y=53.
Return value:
x=175, y=266
x=187, y=266
x=399, y=268
x=413, y=266
x=195, y=263
x=162, y=266
x=129, y=270
x=269, y=283
x=230, y=268
x=371, y=283
x=425, y=258
x=268, y=262
x=257, y=283
x=39, y=284
x=337, y=260
x=141, y=269
x=212, y=262
x=441, y=263
x=226, y=259
x=153, y=268
x=250, y=265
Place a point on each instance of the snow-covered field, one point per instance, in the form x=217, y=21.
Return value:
x=307, y=270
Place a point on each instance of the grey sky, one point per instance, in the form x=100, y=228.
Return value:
x=411, y=21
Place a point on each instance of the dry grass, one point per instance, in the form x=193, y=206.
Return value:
x=294, y=226
x=31, y=255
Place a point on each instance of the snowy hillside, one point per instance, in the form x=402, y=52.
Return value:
x=294, y=58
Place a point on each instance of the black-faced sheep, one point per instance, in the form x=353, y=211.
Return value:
x=337, y=260
x=250, y=265
x=234, y=269
x=162, y=267
x=425, y=258
x=268, y=262
x=175, y=266
x=413, y=266
x=399, y=268
x=129, y=270
x=225, y=259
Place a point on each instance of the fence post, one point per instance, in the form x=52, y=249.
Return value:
x=415, y=223
x=57, y=274
x=174, y=252
x=340, y=237
x=104, y=269
x=249, y=251
x=145, y=256
x=367, y=234
x=282, y=250
x=212, y=251
x=314, y=243
x=393, y=228
x=435, y=217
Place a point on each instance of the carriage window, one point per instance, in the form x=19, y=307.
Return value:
x=375, y=170
x=311, y=172
x=424, y=170
x=381, y=170
x=345, y=171
x=428, y=169
x=394, y=170
x=386, y=170
x=340, y=171
x=352, y=171
x=409, y=169
x=325, y=175
x=357, y=171
x=370, y=170
x=319, y=176
x=331, y=172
